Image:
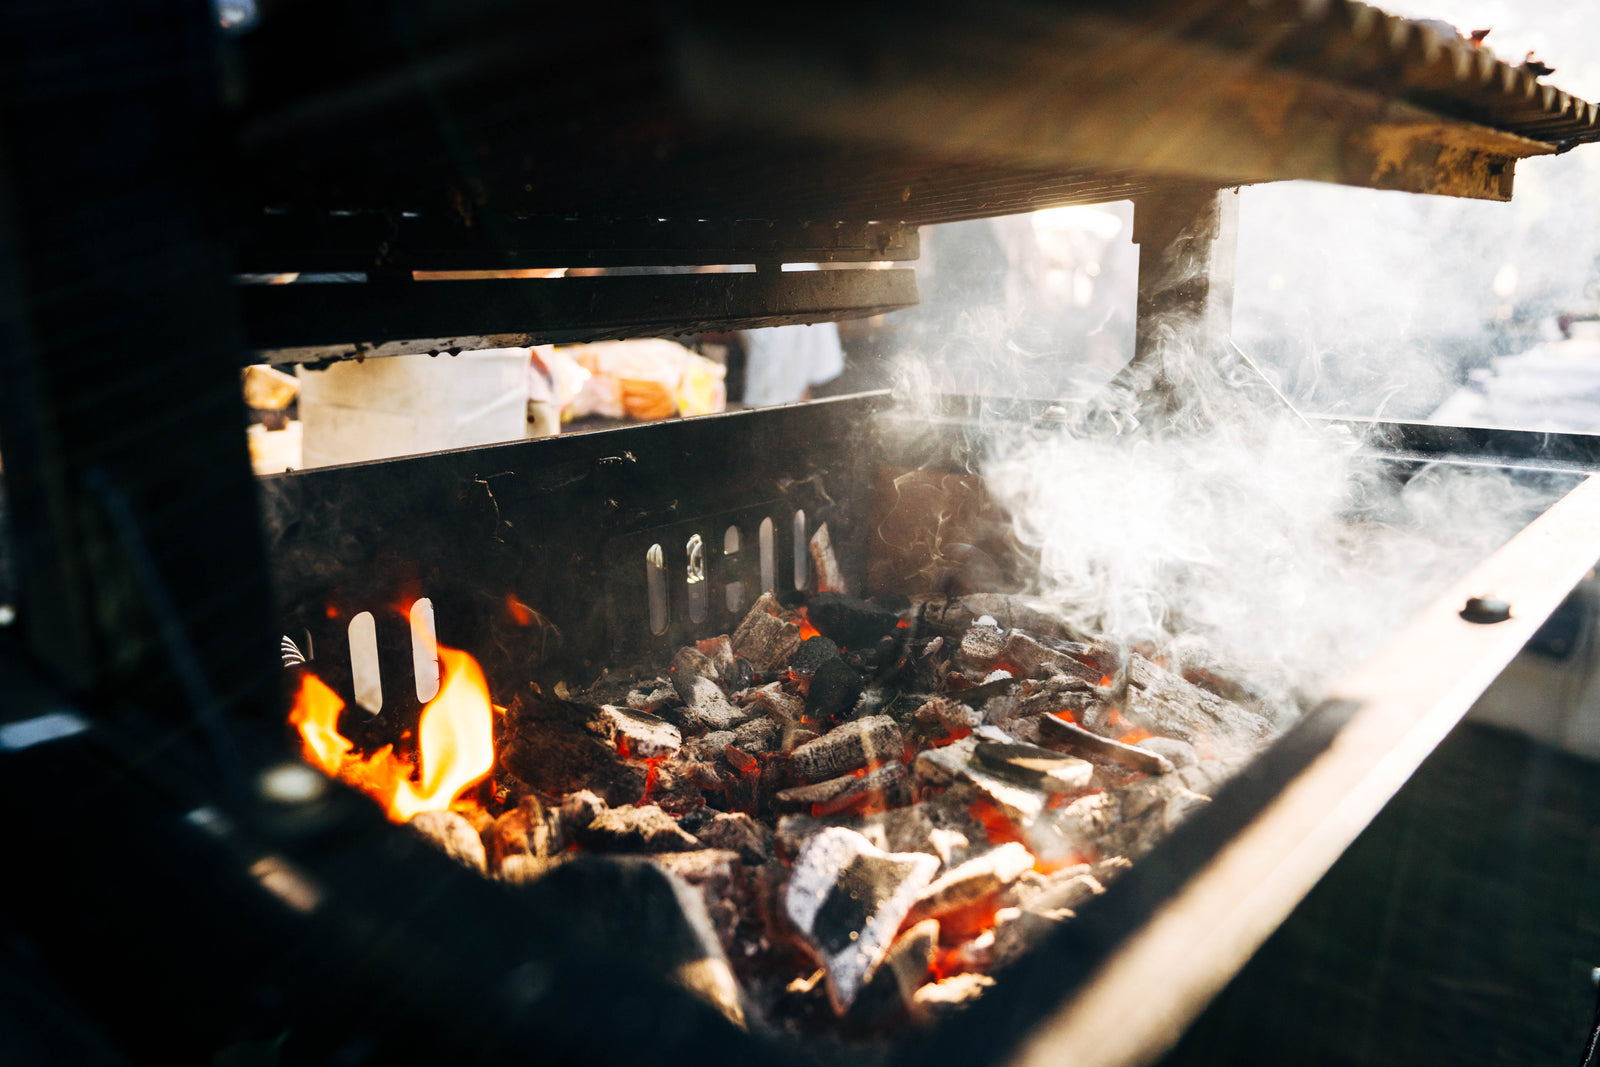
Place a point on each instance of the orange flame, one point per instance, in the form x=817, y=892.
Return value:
x=807, y=631
x=455, y=741
x=316, y=712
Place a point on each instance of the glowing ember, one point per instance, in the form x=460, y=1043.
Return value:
x=807, y=631
x=455, y=742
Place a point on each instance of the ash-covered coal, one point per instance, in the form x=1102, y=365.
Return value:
x=870, y=832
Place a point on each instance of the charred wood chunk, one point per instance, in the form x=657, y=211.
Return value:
x=654, y=696
x=1074, y=738
x=888, y=784
x=1040, y=661
x=959, y=762
x=846, y=899
x=1121, y=822
x=578, y=810
x=830, y=578
x=530, y=829
x=1018, y=929
x=764, y=639
x=738, y=832
x=1178, y=753
x=979, y=651
x=852, y=622
x=949, y=995
x=1060, y=692
x=719, y=651
x=631, y=829
x=640, y=734
x=910, y=959
x=706, y=706
x=1166, y=704
x=777, y=703
x=689, y=663
x=1035, y=767
x=943, y=826
x=874, y=739
x=834, y=690
x=718, y=874
x=953, y=715
x=757, y=736
x=812, y=654
x=452, y=835
x=973, y=881
x=951, y=617
x=557, y=746
x=1207, y=776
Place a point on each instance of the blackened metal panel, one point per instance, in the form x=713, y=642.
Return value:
x=305, y=323
x=514, y=543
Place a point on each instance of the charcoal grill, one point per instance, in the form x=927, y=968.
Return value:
x=144, y=657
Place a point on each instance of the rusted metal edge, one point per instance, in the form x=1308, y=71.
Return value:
x=1407, y=697
x=1099, y=91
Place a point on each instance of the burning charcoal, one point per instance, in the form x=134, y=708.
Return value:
x=1121, y=822
x=719, y=650
x=529, y=829
x=938, y=999
x=972, y=882
x=1179, y=753
x=974, y=954
x=739, y=833
x=979, y=651
x=631, y=829
x=1075, y=738
x=653, y=697
x=764, y=639
x=1000, y=684
x=889, y=783
x=1035, y=767
x=579, y=810
x=556, y=746
x=757, y=736
x=707, y=747
x=813, y=653
x=793, y=831
x=782, y=706
x=1038, y=661
x=955, y=616
x=845, y=748
x=1165, y=704
x=707, y=707
x=644, y=913
x=834, y=690
x=959, y=762
x=1018, y=929
x=687, y=664
x=1207, y=776
x=719, y=876
x=953, y=715
x=942, y=827
x=740, y=760
x=639, y=734
x=1110, y=869
x=452, y=835
x=852, y=622
x=910, y=959
x=829, y=576
x=679, y=784
x=847, y=899
x=1061, y=692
